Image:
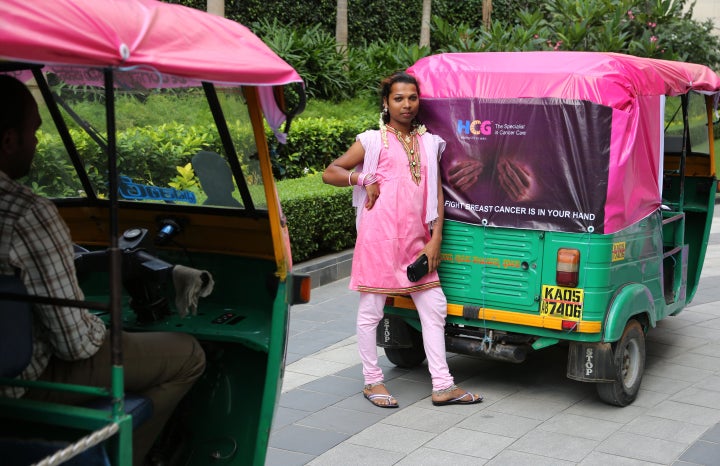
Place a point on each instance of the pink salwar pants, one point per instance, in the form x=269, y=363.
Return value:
x=432, y=308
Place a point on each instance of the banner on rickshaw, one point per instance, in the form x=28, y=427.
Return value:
x=532, y=163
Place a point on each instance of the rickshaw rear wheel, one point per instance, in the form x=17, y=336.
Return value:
x=629, y=363
x=410, y=357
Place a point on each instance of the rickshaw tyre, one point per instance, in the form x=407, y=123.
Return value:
x=408, y=358
x=629, y=363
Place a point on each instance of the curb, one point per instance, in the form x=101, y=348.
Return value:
x=327, y=269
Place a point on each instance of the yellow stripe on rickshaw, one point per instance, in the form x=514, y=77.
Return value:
x=509, y=317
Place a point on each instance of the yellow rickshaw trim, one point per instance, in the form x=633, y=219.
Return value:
x=509, y=317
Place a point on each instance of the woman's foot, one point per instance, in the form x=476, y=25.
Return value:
x=454, y=395
x=377, y=394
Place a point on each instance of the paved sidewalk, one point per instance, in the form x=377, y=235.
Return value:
x=532, y=413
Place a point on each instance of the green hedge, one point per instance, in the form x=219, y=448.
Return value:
x=320, y=217
x=315, y=142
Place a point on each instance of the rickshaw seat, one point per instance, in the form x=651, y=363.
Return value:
x=139, y=407
x=15, y=329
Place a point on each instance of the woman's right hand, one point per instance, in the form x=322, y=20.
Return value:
x=373, y=192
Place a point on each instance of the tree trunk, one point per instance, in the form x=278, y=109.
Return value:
x=425, y=23
x=341, y=26
x=486, y=12
x=216, y=7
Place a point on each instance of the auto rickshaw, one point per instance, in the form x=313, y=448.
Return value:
x=136, y=214
x=579, y=192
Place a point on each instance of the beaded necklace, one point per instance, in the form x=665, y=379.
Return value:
x=410, y=145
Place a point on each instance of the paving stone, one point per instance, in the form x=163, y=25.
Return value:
x=315, y=367
x=526, y=406
x=699, y=415
x=344, y=421
x=392, y=438
x=598, y=410
x=551, y=445
x=518, y=458
x=334, y=385
x=305, y=400
x=286, y=416
x=580, y=426
x=470, y=443
x=702, y=452
x=308, y=440
x=678, y=372
x=495, y=422
x=348, y=454
x=278, y=457
x=664, y=429
x=712, y=434
x=292, y=380
x=597, y=458
x=427, y=420
x=432, y=457
x=698, y=397
x=642, y=447
x=663, y=384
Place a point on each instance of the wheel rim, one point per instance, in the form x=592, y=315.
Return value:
x=630, y=363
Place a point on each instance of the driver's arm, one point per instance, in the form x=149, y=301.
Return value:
x=42, y=250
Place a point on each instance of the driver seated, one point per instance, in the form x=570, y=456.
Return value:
x=71, y=345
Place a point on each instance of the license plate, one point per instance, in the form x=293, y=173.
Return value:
x=560, y=301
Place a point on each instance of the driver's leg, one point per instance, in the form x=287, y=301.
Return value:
x=160, y=366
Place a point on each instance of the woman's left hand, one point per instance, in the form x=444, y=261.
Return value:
x=432, y=251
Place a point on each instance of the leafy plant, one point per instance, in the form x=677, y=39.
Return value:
x=185, y=178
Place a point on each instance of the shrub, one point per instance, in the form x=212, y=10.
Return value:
x=320, y=217
x=315, y=142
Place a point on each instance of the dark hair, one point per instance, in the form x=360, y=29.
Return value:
x=387, y=83
x=14, y=98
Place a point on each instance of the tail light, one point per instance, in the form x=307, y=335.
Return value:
x=567, y=267
x=302, y=284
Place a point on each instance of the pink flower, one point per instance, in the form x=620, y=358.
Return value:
x=653, y=39
x=630, y=14
x=652, y=25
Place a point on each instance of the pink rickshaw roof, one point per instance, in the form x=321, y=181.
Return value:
x=584, y=128
x=609, y=79
x=169, y=39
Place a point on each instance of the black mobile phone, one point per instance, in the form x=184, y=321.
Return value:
x=418, y=269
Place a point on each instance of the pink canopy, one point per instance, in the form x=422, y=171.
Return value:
x=155, y=43
x=583, y=131
x=171, y=39
x=610, y=79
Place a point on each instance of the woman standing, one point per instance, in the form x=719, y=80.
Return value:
x=399, y=204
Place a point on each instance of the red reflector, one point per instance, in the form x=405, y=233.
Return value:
x=390, y=301
x=569, y=325
x=567, y=267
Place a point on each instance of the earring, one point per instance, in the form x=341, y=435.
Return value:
x=385, y=110
x=383, y=129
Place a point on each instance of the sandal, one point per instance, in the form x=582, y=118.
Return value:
x=466, y=398
x=381, y=400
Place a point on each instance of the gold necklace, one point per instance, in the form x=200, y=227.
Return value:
x=409, y=143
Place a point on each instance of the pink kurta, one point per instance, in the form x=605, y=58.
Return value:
x=391, y=235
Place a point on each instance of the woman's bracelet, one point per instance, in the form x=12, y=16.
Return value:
x=363, y=179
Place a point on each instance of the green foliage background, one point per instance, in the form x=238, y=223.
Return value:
x=341, y=85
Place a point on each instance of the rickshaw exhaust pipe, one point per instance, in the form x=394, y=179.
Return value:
x=489, y=350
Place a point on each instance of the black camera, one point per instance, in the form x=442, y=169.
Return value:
x=418, y=269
